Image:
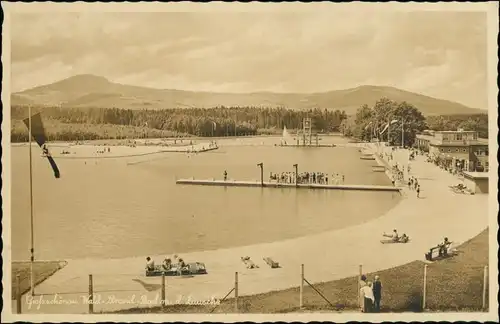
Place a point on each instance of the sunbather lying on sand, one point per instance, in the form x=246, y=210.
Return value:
x=248, y=262
x=394, y=236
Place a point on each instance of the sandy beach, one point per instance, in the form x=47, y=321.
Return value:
x=103, y=151
x=438, y=213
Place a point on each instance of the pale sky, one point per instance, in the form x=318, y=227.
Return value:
x=440, y=54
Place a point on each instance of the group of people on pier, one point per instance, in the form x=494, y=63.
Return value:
x=307, y=178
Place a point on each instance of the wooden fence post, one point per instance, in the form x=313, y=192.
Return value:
x=424, y=297
x=236, y=291
x=91, y=295
x=301, y=297
x=359, y=285
x=18, y=293
x=485, y=285
x=163, y=290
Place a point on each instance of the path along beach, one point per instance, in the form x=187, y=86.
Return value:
x=327, y=256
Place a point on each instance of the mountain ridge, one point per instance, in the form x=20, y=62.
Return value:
x=87, y=90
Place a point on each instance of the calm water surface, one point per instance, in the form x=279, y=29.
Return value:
x=113, y=208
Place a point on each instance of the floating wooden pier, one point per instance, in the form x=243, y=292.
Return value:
x=301, y=145
x=234, y=183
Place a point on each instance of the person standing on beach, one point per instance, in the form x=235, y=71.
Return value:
x=377, y=294
x=418, y=191
x=362, y=283
x=368, y=298
x=225, y=175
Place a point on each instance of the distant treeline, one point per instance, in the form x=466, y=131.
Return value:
x=477, y=122
x=218, y=122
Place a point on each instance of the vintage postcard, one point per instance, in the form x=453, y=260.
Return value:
x=249, y=162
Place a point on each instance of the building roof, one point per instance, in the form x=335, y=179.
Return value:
x=425, y=137
x=476, y=175
x=456, y=131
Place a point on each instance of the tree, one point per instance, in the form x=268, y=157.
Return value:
x=363, y=129
x=383, y=112
x=410, y=121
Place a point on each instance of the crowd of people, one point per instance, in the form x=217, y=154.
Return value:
x=414, y=185
x=397, y=174
x=307, y=178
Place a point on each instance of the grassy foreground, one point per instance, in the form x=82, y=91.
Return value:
x=454, y=284
x=42, y=270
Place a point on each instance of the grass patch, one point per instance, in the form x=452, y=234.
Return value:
x=41, y=270
x=454, y=284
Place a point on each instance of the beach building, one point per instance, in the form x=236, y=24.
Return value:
x=478, y=182
x=460, y=150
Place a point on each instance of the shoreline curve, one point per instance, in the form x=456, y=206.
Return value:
x=327, y=256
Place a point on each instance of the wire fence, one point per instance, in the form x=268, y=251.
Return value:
x=415, y=287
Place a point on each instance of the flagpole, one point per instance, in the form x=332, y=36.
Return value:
x=402, y=133
x=32, y=280
x=389, y=132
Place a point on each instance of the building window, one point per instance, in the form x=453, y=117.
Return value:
x=478, y=163
x=464, y=150
x=457, y=150
x=459, y=137
x=448, y=150
x=486, y=164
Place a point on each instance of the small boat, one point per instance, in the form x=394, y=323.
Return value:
x=273, y=264
x=194, y=268
x=390, y=241
x=433, y=254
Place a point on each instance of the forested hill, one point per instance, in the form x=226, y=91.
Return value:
x=94, y=91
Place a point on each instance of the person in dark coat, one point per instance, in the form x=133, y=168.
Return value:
x=377, y=294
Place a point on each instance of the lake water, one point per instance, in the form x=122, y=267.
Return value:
x=112, y=208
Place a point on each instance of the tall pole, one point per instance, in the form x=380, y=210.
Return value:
x=402, y=133
x=389, y=132
x=261, y=165
x=425, y=289
x=301, y=291
x=485, y=286
x=296, y=166
x=359, y=286
x=32, y=260
x=236, y=292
